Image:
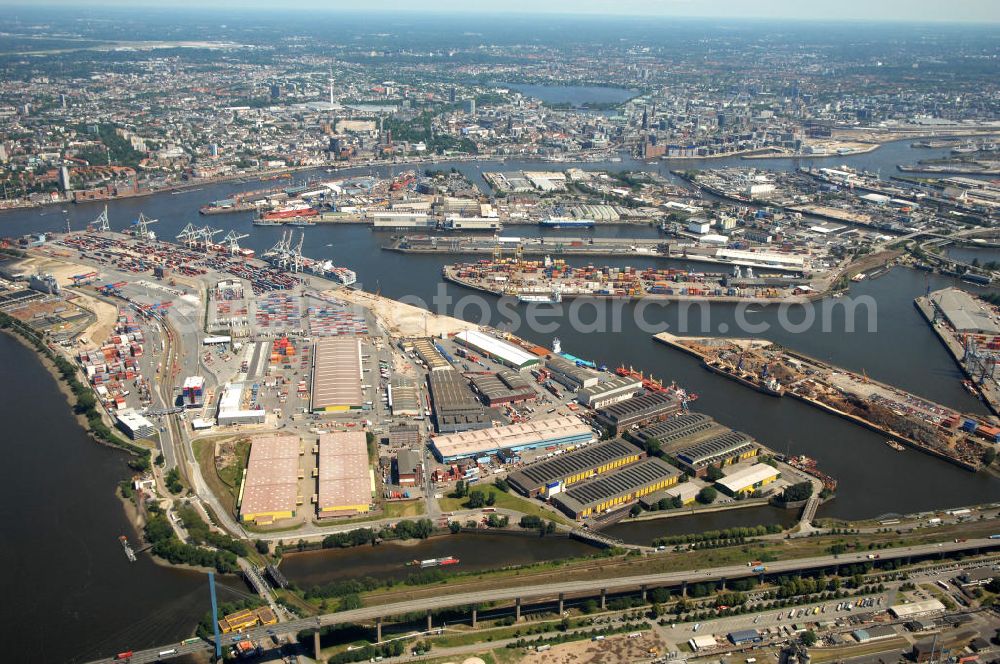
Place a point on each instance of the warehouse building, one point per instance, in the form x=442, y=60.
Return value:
x=430, y=355
x=409, y=468
x=638, y=410
x=500, y=351
x=404, y=399
x=455, y=407
x=748, y=480
x=686, y=491
x=502, y=387
x=336, y=379
x=554, y=431
x=874, y=633
x=404, y=435
x=677, y=429
x=744, y=636
x=551, y=476
x=134, y=424
x=570, y=374
x=231, y=410
x=270, y=489
x=612, y=390
x=964, y=312
x=617, y=489
x=346, y=481
x=916, y=609
x=722, y=450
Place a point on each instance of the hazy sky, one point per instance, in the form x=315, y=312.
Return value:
x=877, y=10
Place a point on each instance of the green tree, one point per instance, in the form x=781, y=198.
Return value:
x=808, y=638
x=707, y=495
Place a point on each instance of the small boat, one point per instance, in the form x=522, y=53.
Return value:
x=894, y=445
x=435, y=562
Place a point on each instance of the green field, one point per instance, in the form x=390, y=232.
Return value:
x=507, y=501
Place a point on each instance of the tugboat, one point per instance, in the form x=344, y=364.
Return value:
x=129, y=553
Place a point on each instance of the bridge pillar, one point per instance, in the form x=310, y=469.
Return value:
x=430, y=624
x=316, y=647
x=684, y=588
x=604, y=599
x=642, y=592
x=378, y=630
x=517, y=609
x=722, y=584
x=475, y=614
x=562, y=598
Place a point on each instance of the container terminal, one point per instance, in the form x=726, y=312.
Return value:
x=968, y=328
x=903, y=417
x=552, y=280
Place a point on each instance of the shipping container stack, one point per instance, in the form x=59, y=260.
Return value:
x=114, y=365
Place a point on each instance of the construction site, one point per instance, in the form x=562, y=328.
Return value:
x=906, y=419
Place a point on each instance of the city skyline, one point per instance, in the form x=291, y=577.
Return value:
x=849, y=10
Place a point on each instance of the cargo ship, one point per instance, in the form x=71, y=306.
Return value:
x=563, y=222
x=555, y=297
x=894, y=445
x=291, y=211
x=341, y=274
x=300, y=222
x=261, y=221
x=434, y=562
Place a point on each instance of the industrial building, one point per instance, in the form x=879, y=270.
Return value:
x=552, y=476
x=677, y=429
x=554, y=431
x=134, y=424
x=336, y=377
x=874, y=633
x=502, y=387
x=916, y=609
x=686, y=491
x=430, y=355
x=963, y=312
x=571, y=375
x=409, y=468
x=617, y=489
x=748, y=480
x=346, y=481
x=455, y=406
x=404, y=435
x=404, y=398
x=612, y=390
x=498, y=350
x=270, y=489
x=193, y=391
x=638, y=410
x=743, y=636
x=722, y=450
x=231, y=410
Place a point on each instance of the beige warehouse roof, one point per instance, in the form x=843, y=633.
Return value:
x=271, y=483
x=469, y=443
x=343, y=470
x=336, y=377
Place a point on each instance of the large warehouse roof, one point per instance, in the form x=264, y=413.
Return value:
x=344, y=478
x=731, y=443
x=270, y=488
x=914, y=609
x=539, y=474
x=507, y=353
x=622, y=482
x=677, y=428
x=964, y=312
x=748, y=477
x=336, y=381
x=559, y=430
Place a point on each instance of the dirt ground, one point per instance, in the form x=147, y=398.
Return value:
x=402, y=320
x=98, y=331
x=613, y=649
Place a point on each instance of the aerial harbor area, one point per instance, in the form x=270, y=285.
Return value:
x=537, y=335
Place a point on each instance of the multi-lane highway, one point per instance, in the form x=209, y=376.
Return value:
x=553, y=590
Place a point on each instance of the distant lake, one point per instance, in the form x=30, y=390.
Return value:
x=576, y=95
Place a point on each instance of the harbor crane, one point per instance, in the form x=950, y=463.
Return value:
x=189, y=236
x=207, y=235
x=141, y=229
x=232, y=241
x=101, y=222
x=284, y=254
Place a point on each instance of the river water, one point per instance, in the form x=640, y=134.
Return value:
x=67, y=571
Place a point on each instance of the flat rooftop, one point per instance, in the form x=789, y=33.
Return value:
x=450, y=394
x=553, y=430
x=964, y=312
x=344, y=478
x=427, y=352
x=336, y=380
x=506, y=352
x=271, y=482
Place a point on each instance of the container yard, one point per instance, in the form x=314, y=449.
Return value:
x=913, y=421
x=969, y=331
x=553, y=280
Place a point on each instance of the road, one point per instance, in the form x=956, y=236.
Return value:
x=552, y=590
